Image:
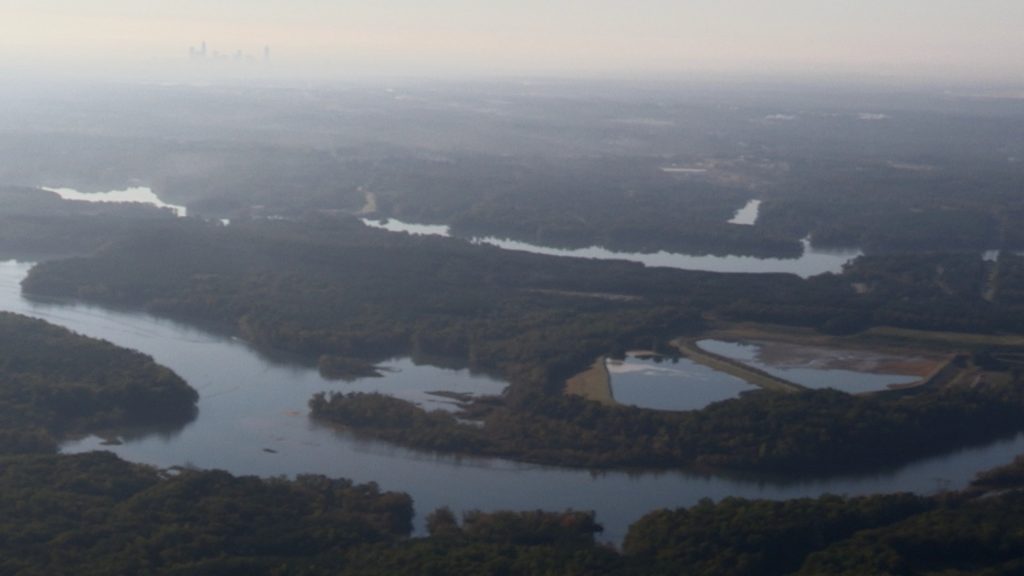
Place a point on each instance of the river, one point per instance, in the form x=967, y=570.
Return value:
x=253, y=420
x=812, y=262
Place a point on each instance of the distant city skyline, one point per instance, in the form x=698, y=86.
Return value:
x=204, y=52
x=912, y=38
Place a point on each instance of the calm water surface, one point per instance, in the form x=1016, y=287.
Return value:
x=249, y=404
x=670, y=384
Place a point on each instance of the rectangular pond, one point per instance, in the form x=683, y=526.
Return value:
x=854, y=371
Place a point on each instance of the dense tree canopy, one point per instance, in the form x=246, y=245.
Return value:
x=95, y=514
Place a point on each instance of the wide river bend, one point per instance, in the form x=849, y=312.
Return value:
x=253, y=419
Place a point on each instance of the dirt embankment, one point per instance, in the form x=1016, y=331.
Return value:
x=594, y=384
x=734, y=367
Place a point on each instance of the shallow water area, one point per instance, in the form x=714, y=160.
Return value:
x=428, y=387
x=674, y=384
x=851, y=371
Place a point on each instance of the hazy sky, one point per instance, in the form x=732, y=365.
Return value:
x=889, y=37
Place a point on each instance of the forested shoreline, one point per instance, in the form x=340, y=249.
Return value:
x=93, y=513
x=813, y=433
x=330, y=288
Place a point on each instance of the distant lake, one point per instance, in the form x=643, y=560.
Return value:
x=670, y=383
x=253, y=419
x=138, y=194
x=747, y=216
x=392, y=225
x=811, y=263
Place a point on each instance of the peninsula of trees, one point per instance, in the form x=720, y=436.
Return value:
x=55, y=383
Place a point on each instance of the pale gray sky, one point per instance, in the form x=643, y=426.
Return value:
x=980, y=38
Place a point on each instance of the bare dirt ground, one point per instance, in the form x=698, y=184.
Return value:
x=593, y=384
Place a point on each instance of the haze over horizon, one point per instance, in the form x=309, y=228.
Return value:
x=911, y=39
